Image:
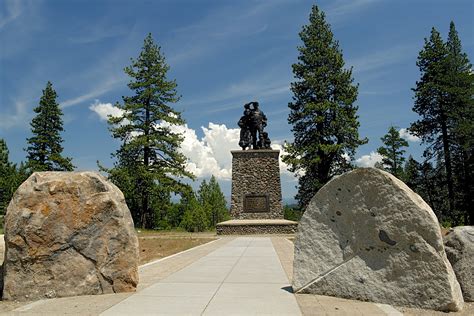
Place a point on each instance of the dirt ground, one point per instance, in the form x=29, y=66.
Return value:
x=156, y=247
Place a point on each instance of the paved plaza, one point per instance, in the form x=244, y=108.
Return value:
x=243, y=277
x=229, y=276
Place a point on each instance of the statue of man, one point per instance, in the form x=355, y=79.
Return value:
x=258, y=121
x=244, y=124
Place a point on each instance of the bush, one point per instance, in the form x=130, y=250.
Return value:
x=292, y=213
x=194, y=218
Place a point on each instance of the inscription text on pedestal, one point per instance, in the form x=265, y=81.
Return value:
x=256, y=203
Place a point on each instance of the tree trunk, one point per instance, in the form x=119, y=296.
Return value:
x=394, y=157
x=146, y=163
x=447, y=163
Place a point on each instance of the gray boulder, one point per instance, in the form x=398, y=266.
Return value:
x=459, y=244
x=66, y=234
x=365, y=235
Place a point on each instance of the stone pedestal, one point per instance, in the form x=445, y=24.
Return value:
x=257, y=227
x=256, y=205
x=256, y=187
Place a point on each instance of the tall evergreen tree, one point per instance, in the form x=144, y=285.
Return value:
x=44, y=151
x=393, y=151
x=323, y=114
x=213, y=201
x=432, y=104
x=444, y=101
x=149, y=158
x=460, y=87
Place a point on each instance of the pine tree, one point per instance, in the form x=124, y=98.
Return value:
x=444, y=100
x=6, y=170
x=195, y=217
x=393, y=152
x=4, y=152
x=213, y=201
x=433, y=106
x=460, y=87
x=10, y=177
x=149, y=158
x=421, y=178
x=411, y=174
x=323, y=115
x=432, y=188
x=44, y=147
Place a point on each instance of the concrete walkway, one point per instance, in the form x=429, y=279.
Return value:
x=228, y=276
x=243, y=277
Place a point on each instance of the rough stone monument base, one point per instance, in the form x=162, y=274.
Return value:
x=256, y=227
x=256, y=187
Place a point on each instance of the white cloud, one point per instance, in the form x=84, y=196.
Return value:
x=258, y=88
x=19, y=117
x=211, y=154
x=13, y=10
x=278, y=145
x=343, y=8
x=98, y=32
x=104, y=110
x=405, y=133
x=369, y=160
x=381, y=58
x=103, y=88
x=207, y=156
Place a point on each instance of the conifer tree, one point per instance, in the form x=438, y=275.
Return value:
x=323, y=114
x=460, y=87
x=444, y=100
x=149, y=159
x=10, y=177
x=213, y=201
x=4, y=152
x=195, y=217
x=432, y=105
x=423, y=179
x=411, y=174
x=393, y=152
x=44, y=151
x=6, y=170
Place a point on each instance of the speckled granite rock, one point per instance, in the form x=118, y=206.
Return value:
x=459, y=244
x=66, y=234
x=365, y=235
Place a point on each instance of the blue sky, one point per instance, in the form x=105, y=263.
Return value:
x=222, y=55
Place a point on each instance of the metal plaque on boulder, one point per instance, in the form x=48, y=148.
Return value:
x=256, y=203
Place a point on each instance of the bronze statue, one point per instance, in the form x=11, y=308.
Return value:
x=253, y=121
x=244, y=124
